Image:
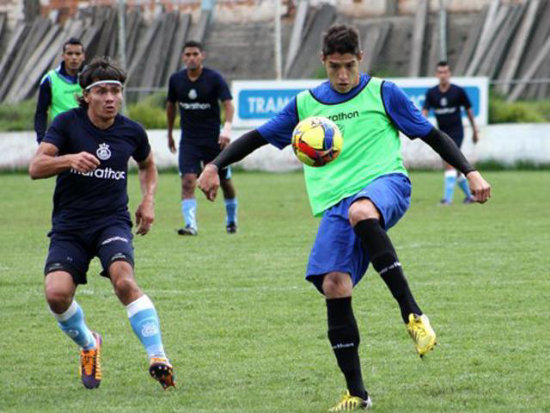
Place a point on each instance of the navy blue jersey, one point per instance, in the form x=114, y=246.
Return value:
x=406, y=117
x=199, y=102
x=447, y=108
x=80, y=199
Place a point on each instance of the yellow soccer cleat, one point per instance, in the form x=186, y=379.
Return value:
x=422, y=333
x=351, y=403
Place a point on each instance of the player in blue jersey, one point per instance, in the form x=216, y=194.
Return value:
x=59, y=87
x=198, y=90
x=88, y=148
x=447, y=100
x=352, y=232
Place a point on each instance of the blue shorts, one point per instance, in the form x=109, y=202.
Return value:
x=336, y=247
x=72, y=251
x=194, y=155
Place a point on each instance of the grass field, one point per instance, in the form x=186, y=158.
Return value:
x=246, y=333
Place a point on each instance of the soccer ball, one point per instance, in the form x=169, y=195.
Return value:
x=316, y=141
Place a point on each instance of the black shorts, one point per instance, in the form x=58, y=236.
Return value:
x=72, y=251
x=456, y=135
x=194, y=155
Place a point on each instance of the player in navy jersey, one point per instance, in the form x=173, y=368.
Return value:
x=447, y=101
x=198, y=90
x=88, y=148
x=368, y=191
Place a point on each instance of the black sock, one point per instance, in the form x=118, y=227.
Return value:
x=344, y=338
x=384, y=260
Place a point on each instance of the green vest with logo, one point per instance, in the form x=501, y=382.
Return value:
x=371, y=148
x=63, y=93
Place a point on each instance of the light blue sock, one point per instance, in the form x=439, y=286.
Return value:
x=145, y=323
x=463, y=184
x=72, y=323
x=231, y=210
x=189, y=212
x=450, y=180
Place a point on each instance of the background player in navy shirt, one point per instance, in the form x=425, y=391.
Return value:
x=198, y=90
x=88, y=148
x=447, y=101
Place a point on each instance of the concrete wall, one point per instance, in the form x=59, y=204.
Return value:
x=505, y=143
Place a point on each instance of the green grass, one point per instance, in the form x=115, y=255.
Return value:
x=246, y=333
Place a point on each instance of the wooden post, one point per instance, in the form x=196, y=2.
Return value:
x=418, y=38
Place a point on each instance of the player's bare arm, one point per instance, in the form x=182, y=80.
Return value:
x=225, y=135
x=46, y=162
x=145, y=213
x=170, y=118
x=471, y=118
x=481, y=190
x=209, y=181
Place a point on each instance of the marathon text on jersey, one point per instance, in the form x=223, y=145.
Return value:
x=105, y=173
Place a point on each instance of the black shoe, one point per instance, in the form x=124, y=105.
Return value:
x=187, y=231
x=231, y=228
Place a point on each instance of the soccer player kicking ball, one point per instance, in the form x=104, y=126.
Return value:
x=360, y=195
x=88, y=148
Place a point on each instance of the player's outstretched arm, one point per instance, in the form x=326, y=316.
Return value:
x=145, y=213
x=46, y=163
x=209, y=180
x=447, y=149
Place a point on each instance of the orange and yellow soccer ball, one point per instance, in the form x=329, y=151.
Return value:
x=316, y=141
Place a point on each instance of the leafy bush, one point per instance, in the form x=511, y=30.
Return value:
x=151, y=117
x=501, y=111
x=17, y=117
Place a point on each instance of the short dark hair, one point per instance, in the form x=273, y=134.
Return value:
x=442, y=63
x=100, y=68
x=73, y=41
x=341, y=38
x=192, y=43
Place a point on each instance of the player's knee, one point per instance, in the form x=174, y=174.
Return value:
x=58, y=300
x=227, y=188
x=126, y=288
x=122, y=277
x=59, y=291
x=337, y=285
x=188, y=182
x=361, y=210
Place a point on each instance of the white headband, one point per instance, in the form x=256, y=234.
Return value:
x=100, y=82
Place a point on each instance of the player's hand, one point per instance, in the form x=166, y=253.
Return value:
x=224, y=140
x=209, y=181
x=145, y=215
x=481, y=190
x=171, y=143
x=475, y=136
x=84, y=162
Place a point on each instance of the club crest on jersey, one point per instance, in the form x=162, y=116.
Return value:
x=192, y=94
x=443, y=102
x=103, y=152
